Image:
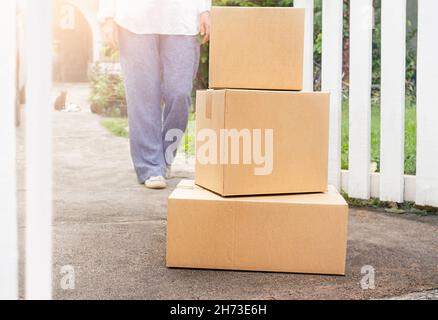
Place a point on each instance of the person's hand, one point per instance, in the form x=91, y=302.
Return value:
x=204, y=26
x=110, y=33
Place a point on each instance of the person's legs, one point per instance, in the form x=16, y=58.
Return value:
x=179, y=62
x=140, y=60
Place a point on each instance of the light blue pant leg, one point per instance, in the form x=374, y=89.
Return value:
x=140, y=60
x=180, y=61
x=156, y=67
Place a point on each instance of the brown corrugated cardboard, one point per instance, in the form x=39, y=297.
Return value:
x=286, y=233
x=257, y=48
x=298, y=160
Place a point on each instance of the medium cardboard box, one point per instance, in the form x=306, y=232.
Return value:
x=257, y=48
x=254, y=142
x=286, y=233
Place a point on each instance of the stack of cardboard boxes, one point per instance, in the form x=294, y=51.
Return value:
x=260, y=201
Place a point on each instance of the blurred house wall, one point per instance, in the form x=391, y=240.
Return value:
x=77, y=39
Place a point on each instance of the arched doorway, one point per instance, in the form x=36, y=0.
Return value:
x=73, y=43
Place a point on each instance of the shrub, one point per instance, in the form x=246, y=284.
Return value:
x=107, y=92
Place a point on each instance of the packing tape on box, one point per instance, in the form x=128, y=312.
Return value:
x=209, y=105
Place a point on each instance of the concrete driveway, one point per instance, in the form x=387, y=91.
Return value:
x=112, y=232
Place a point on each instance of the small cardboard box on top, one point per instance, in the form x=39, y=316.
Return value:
x=256, y=142
x=257, y=48
x=289, y=233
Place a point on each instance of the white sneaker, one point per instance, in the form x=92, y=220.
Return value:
x=156, y=183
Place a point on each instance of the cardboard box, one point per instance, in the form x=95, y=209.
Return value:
x=254, y=142
x=257, y=48
x=288, y=233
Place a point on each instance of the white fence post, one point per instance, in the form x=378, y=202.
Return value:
x=8, y=215
x=39, y=150
x=308, y=42
x=361, y=22
x=332, y=49
x=427, y=104
x=393, y=100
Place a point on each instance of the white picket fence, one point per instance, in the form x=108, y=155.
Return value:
x=38, y=233
x=391, y=184
x=8, y=222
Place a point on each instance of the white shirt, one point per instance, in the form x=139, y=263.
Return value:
x=173, y=17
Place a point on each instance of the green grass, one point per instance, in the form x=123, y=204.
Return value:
x=188, y=143
x=119, y=127
x=411, y=140
x=391, y=207
x=410, y=137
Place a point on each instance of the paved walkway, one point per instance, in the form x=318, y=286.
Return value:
x=112, y=231
x=425, y=295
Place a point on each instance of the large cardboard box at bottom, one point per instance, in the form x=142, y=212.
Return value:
x=286, y=233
